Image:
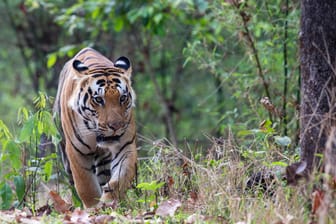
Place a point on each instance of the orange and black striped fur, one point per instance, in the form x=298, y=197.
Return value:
x=94, y=103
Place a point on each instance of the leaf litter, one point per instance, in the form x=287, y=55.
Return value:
x=165, y=209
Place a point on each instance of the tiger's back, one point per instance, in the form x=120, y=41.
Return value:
x=94, y=103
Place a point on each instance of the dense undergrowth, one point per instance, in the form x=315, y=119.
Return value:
x=232, y=179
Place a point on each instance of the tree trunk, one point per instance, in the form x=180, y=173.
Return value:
x=317, y=58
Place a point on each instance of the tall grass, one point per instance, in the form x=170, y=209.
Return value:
x=215, y=182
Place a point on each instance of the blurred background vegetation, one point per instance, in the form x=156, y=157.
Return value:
x=201, y=68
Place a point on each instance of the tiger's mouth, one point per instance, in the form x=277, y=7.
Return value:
x=112, y=138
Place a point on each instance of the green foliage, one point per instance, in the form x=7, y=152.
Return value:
x=150, y=192
x=193, y=61
x=19, y=155
x=6, y=195
x=20, y=187
x=203, y=65
x=152, y=186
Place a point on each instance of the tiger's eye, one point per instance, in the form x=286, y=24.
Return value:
x=99, y=100
x=123, y=98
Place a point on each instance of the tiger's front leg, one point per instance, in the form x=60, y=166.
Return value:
x=85, y=180
x=123, y=171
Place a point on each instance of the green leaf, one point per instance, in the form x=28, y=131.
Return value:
x=152, y=186
x=14, y=153
x=48, y=167
x=157, y=18
x=6, y=196
x=4, y=131
x=68, y=50
x=48, y=125
x=95, y=13
x=20, y=187
x=27, y=130
x=52, y=58
x=22, y=115
x=249, y=132
x=141, y=201
x=40, y=126
x=118, y=24
x=279, y=163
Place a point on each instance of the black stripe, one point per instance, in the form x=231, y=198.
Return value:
x=86, y=97
x=84, y=51
x=116, y=80
x=78, y=150
x=116, y=74
x=101, y=138
x=122, y=159
x=79, y=96
x=103, y=163
x=98, y=75
x=90, y=91
x=101, y=82
x=87, y=125
x=76, y=134
x=107, y=190
x=121, y=149
x=84, y=108
x=126, y=144
x=104, y=172
x=104, y=160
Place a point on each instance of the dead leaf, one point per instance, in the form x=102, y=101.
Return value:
x=59, y=204
x=44, y=210
x=19, y=216
x=78, y=216
x=102, y=219
x=318, y=196
x=170, y=181
x=168, y=208
x=194, y=196
x=185, y=168
x=104, y=205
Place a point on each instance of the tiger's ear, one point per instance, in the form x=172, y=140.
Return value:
x=79, y=66
x=125, y=64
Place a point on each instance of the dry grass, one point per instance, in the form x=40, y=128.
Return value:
x=214, y=183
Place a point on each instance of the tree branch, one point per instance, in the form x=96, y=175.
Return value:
x=245, y=18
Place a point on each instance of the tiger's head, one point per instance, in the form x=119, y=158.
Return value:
x=104, y=98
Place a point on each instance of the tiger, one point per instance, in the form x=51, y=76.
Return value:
x=94, y=105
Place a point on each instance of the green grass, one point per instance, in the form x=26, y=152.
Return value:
x=212, y=184
x=215, y=188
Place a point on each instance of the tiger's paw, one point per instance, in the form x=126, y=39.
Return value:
x=107, y=196
x=107, y=204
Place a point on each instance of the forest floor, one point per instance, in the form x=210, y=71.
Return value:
x=217, y=185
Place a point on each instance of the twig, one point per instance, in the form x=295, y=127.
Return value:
x=248, y=34
x=255, y=52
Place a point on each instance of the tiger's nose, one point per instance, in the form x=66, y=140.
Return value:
x=114, y=125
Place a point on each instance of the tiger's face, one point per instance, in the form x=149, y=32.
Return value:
x=105, y=102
